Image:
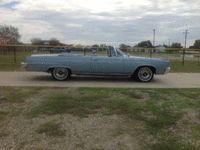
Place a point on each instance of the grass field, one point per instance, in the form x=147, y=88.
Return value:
x=190, y=65
x=99, y=118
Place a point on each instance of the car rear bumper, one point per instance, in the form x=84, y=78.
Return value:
x=24, y=65
x=166, y=70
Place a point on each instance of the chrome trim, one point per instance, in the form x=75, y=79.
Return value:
x=167, y=70
x=24, y=65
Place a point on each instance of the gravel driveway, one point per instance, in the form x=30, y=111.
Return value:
x=171, y=80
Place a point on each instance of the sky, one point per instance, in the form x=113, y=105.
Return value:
x=110, y=22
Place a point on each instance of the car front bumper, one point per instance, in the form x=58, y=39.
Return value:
x=166, y=70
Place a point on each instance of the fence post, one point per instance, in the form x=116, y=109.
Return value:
x=14, y=54
x=150, y=52
x=183, y=58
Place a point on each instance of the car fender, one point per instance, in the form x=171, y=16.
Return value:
x=145, y=65
x=56, y=66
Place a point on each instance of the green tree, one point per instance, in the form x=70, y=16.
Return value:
x=176, y=45
x=102, y=45
x=36, y=41
x=192, y=47
x=144, y=44
x=124, y=46
x=9, y=32
x=94, y=46
x=165, y=45
x=197, y=44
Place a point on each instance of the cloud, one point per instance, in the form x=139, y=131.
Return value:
x=104, y=22
x=10, y=5
x=2, y=2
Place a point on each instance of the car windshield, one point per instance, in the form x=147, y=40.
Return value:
x=120, y=53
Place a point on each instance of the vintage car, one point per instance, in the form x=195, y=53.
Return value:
x=59, y=50
x=62, y=65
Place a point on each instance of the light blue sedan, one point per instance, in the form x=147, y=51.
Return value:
x=62, y=65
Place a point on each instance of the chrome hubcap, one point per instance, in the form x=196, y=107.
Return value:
x=145, y=74
x=60, y=73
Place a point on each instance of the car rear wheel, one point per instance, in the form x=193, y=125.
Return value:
x=60, y=73
x=144, y=74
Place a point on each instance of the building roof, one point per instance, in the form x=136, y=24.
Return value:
x=4, y=40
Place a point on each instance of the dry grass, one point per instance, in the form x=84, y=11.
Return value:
x=112, y=118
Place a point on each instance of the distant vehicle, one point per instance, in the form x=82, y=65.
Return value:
x=35, y=51
x=60, y=50
x=160, y=49
x=62, y=65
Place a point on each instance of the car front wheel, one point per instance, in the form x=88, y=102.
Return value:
x=60, y=73
x=144, y=74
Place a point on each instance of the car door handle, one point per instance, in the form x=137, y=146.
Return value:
x=94, y=59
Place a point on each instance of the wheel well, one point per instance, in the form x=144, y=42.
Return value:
x=51, y=69
x=151, y=67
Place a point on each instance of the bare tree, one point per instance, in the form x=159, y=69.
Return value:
x=53, y=41
x=9, y=32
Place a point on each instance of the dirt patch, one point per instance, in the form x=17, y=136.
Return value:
x=145, y=98
x=3, y=105
x=149, y=115
x=97, y=131
x=37, y=98
x=186, y=126
x=192, y=116
x=94, y=132
x=54, y=91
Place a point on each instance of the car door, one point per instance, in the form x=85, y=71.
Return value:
x=81, y=65
x=107, y=65
x=78, y=64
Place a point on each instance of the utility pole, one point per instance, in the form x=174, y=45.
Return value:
x=153, y=41
x=186, y=32
x=154, y=37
